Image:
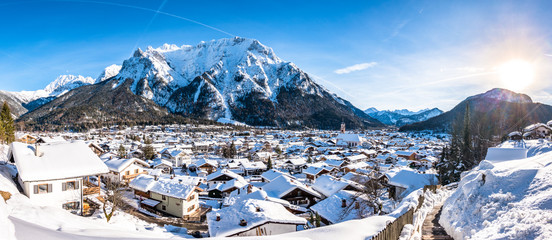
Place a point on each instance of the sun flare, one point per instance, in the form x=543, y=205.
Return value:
x=516, y=74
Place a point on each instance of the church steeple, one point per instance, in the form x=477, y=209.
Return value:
x=342, y=127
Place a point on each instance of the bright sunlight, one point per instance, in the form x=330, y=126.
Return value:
x=516, y=74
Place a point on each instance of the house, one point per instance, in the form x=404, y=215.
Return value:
x=25, y=138
x=96, y=148
x=164, y=165
x=406, y=155
x=515, y=136
x=406, y=181
x=343, y=206
x=314, y=172
x=174, y=196
x=538, y=130
x=250, y=167
x=292, y=191
x=124, y=170
x=178, y=157
x=348, y=140
x=221, y=189
x=206, y=166
x=295, y=165
x=221, y=176
x=53, y=173
x=252, y=217
x=261, y=156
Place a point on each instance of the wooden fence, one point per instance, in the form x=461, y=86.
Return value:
x=393, y=229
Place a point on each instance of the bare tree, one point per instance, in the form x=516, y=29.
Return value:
x=114, y=197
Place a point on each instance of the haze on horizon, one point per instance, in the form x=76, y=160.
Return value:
x=388, y=54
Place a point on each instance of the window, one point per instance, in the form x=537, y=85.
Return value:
x=72, y=185
x=127, y=173
x=191, y=208
x=163, y=197
x=136, y=171
x=191, y=197
x=42, y=188
x=163, y=207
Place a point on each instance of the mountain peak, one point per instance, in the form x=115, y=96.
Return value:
x=504, y=95
x=109, y=72
x=67, y=82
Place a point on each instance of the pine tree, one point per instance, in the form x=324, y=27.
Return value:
x=269, y=164
x=121, y=152
x=8, y=127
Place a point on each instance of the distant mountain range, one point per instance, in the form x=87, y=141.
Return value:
x=24, y=101
x=238, y=79
x=506, y=110
x=403, y=116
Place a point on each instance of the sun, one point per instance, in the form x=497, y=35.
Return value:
x=516, y=74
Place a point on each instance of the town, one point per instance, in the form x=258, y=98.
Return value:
x=221, y=181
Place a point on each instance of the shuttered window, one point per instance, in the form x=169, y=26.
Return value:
x=71, y=185
x=42, y=188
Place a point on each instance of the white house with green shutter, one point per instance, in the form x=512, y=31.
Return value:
x=53, y=173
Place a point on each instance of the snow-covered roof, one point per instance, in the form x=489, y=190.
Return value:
x=404, y=153
x=118, y=165
x=254, y=212
x=56, y=160
x=273, y=174
x=221, y=172
x=535, y=126
x=328, y=185
x=331, y=208
x=412, y=180
x=283, y=185
x=349, y=137
x=178, y=187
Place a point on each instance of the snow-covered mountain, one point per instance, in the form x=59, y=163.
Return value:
x=109, y=72
x=23, y=101
x=238, y=79
x=402, y=117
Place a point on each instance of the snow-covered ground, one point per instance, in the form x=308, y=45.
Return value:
x=19, y=217
x=504, y=200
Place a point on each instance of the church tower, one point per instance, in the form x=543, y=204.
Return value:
x=342, y=127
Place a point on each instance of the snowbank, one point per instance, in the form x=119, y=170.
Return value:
x=503, y=200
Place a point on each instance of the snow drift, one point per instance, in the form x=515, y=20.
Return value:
x=509, y=199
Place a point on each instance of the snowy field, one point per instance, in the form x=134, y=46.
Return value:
x=504, y=200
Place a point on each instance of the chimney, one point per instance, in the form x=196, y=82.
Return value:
x=218, y=217
x=249, y=188
x=37, y=150
x=155, y=177
x=343, y=203
x=243, y=222
x=357, y=205
x=180, y=181
x=258, y=209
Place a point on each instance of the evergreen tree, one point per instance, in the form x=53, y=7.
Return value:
x=121, y=152
x=269, y=164
x=8, y=127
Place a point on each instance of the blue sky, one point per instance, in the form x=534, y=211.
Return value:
x=388, y=54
